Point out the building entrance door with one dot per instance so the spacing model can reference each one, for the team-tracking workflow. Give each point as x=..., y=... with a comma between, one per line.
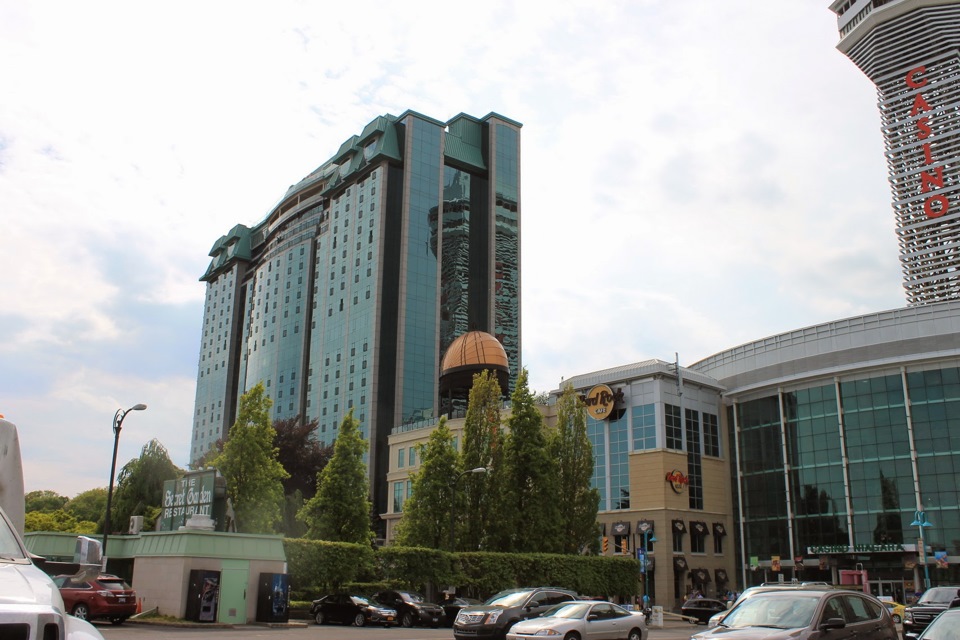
x=887, y=590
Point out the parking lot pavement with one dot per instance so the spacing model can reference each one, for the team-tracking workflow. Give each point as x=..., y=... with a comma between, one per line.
x=671, y=631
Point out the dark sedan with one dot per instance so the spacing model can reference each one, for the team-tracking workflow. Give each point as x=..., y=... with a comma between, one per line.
x=350, y=609
x=702, y=609
x=411, y=607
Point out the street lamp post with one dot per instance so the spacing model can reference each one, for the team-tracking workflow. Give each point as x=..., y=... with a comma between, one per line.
x=648, y=537
x=920, y=521
x=117, y=424
x=453, y=499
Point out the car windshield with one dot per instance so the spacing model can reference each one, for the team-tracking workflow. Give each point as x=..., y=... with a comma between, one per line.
x=570, y=610
x=411, y=596
x=508, y=598
x=946, y=626
x=10, y=548
x=788, y=611
x=938, y=595
x=360, y=600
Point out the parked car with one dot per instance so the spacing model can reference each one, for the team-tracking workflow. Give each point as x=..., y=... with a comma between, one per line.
x=105, y=596
x=764, y=588
x=351, y=609
x=452, y=606
x=945, y=626
x=916, y=617
x=493, y=618
x=702, y=609
x=588, y=619
x=802, y=614
x=412, y=608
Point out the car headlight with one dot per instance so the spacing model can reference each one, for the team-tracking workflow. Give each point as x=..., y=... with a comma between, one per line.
x=908, y=616
x=547, y=632
x=493, y=616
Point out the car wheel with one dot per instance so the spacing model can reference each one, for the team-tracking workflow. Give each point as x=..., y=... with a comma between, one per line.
x=407, y=619
x=117, y=620
x=897, y=619
x=635, y=634
x=359, y=620
x=572, y=635
x=81, y=611
x=320, y=618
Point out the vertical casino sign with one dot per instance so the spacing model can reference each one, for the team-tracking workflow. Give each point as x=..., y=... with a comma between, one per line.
x=935, y=204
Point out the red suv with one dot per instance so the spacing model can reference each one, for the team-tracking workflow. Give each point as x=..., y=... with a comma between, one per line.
x=107, y=596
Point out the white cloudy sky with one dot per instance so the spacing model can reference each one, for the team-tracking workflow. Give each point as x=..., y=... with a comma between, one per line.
x=696, y=174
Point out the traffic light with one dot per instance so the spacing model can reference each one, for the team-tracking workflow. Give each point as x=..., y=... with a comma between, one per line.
x=606, y=544
x=625, y=545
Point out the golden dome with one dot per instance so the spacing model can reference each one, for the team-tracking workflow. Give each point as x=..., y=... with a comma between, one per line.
x=475, y=349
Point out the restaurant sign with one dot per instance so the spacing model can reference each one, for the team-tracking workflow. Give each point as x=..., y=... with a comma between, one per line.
x=857, y=548
x=186, y=496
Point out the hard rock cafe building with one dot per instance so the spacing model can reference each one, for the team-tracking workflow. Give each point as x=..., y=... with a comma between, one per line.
x=662, y=467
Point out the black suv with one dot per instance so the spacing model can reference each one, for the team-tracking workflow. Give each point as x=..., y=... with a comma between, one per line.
x=929, y=606
x=492, y=619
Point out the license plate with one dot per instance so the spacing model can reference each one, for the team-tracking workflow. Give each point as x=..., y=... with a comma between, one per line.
x=122, y=599
x=389, y=618
x=435, y=619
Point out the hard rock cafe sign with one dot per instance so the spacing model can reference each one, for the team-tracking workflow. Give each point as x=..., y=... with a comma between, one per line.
x=601, y=400
x=678, y=481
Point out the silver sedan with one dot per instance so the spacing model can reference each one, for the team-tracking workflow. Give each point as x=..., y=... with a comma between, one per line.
x=582, y=620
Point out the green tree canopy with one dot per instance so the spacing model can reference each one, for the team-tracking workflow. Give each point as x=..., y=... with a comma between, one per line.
x=570, y=448
x=426, y=521
x=58, y=520
x=44, y=500
x=140, y=485
x=88, y=505
x=249, y=464
x=482, y=447
x=530, y=496
x=340, y=510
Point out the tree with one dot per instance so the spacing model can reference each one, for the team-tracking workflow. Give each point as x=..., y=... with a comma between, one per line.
x=570, y=448
x=340, y=510
x=140, y=484
x=44, y=501
x=303, y=458
x=530, y=497
x=249, y=464
x=426, y=521
x=482, y=447
x=58, y=520
x=88, y=505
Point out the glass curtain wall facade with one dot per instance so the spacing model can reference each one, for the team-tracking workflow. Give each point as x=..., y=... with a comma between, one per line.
x=909, y=50
x=813, y=503
x=346, y=296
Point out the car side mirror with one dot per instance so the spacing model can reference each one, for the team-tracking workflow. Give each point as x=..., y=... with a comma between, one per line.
x=833, y=623
x=593, y=616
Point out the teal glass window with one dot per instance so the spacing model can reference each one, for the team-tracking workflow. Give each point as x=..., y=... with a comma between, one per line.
x=644, y=427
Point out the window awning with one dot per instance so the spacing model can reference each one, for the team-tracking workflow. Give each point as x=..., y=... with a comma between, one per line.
x=621, y=528
x=679, y=526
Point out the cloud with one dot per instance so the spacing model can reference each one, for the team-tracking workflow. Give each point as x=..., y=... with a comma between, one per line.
x=695, y=175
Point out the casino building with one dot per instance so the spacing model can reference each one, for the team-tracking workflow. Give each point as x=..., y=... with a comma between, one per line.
x=910, y=49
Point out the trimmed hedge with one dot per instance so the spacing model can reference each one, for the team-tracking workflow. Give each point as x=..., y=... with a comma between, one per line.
x=317, y=566
x=328, y=565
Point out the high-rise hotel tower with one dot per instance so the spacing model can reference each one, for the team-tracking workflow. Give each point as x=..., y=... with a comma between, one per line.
x=911, y=50
x=348, y=293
